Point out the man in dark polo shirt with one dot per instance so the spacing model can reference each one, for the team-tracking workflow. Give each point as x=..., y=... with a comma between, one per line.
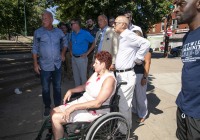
x=79, y=50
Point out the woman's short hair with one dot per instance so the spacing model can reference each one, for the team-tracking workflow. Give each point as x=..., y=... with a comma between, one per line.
x=106, y=57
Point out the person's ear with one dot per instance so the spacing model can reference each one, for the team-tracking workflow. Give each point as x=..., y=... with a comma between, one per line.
x=104, y=64
x=125, y=26
x=198, y=5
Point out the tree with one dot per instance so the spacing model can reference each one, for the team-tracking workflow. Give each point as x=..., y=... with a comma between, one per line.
x=145, y=12
x=12, y=16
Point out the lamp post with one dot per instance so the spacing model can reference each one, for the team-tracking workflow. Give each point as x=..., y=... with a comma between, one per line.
x=25, y=27
x=169, y=20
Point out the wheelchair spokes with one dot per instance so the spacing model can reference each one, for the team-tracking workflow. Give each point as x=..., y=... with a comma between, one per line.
x=108, y=128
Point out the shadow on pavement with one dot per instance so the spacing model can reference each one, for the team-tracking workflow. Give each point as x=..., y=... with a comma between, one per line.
x=153, y=102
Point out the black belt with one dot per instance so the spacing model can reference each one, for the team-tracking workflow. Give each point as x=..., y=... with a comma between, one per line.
x=76, y=56
x=124, y=70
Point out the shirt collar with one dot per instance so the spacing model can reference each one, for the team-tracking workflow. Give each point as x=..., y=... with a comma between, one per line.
x=104, y=29
x=48, y=30
x=81, y=30
x=124, y=33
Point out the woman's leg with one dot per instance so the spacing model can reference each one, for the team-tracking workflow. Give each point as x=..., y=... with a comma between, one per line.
x=57, y=123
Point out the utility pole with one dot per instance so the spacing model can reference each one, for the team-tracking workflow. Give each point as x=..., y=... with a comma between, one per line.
x=169, y=22
x=25, y=27
x=169, y=17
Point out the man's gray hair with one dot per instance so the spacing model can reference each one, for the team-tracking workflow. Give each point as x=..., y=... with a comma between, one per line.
x=47, y=12
x=105, y=17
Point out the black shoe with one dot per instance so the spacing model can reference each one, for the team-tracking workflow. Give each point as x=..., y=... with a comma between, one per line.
x=47, y=112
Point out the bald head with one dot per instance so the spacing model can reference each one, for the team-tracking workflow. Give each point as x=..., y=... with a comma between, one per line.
x=121, y=23
x=123, y=19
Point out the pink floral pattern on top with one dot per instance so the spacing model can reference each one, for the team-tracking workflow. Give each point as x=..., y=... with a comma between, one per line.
x=87, y=83
x=98, y=78
x=92, y=89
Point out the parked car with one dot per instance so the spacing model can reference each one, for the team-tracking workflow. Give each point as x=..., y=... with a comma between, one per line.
x=162, y=48
x=175, y=52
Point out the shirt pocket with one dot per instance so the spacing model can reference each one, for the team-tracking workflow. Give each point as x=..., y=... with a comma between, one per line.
x=44, y=38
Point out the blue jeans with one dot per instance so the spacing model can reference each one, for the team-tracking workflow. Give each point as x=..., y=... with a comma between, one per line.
x=46, y=78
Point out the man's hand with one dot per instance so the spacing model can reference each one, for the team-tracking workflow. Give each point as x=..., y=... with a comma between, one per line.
x=63, y=58
x=84, y=55
x=37, y=68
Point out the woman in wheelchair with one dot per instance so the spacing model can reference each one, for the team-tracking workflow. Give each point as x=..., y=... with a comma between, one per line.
x=98, y=91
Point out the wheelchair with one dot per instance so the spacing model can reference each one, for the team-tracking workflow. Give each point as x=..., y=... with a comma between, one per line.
x=106, y=127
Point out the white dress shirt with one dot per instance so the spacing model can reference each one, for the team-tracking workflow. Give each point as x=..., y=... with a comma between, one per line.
x=132, y=49
x=135, y=28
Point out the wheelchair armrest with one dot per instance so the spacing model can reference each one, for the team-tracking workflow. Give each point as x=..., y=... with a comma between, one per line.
x=75, y=96
x=102, y=107
x=121, y=83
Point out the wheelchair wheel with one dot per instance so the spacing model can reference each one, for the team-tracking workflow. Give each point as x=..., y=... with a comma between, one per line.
x=46, y=130
x=108, y=127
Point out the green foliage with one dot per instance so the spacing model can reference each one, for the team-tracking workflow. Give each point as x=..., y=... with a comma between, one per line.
x=145, y=12
x=12, y=16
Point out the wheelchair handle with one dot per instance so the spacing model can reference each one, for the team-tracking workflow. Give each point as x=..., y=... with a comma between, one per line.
x=121, y=83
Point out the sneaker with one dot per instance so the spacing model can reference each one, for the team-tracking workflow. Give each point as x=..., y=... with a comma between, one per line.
x=47, y=112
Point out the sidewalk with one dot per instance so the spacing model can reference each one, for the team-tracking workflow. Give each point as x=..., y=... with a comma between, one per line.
x=21, y=116
x=164, y=86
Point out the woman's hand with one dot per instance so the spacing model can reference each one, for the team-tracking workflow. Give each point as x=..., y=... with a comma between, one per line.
x=67, y=112
x=67, y=96
x=65, y=116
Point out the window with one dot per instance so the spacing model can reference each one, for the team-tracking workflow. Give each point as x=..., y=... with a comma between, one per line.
x=162, y=26
x=174, y=24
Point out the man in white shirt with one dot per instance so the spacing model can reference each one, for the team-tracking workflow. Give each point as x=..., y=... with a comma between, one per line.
x=131, y=51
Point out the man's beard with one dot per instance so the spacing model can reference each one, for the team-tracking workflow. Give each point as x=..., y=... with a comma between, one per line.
x=90, y=25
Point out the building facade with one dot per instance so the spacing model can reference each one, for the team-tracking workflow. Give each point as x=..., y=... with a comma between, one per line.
x=157, y=33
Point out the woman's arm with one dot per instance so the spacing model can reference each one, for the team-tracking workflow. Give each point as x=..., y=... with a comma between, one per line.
x=106, y=91
x=72, y=91
x=147, y=63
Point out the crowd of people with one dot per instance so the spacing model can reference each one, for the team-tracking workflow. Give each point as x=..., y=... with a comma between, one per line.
x=97, y=58
x=117, y=51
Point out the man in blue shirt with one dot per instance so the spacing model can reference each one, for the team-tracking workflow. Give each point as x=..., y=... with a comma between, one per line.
x=188, y=100
x=79, y=50
x=48, y=44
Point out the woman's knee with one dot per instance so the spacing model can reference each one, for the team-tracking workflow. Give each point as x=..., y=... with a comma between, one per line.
x=54, y=114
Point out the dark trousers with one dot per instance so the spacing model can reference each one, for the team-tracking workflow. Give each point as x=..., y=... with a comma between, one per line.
x=188, y=128
x=46, y=78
